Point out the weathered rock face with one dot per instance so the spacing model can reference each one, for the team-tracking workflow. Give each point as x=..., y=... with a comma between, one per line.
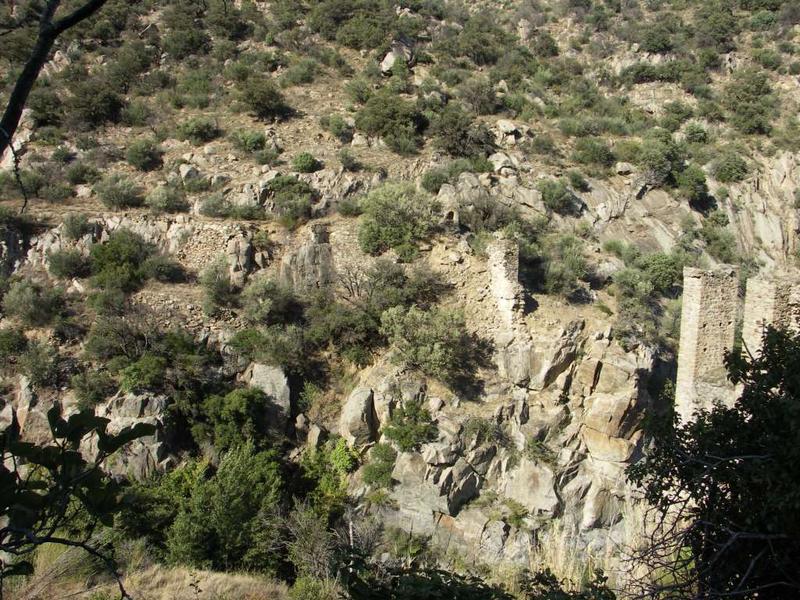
x=10, y=248
x=273, y=382
x=358, y=423
x=311, y=265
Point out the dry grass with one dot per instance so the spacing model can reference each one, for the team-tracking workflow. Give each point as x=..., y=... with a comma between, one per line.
x=160, y=583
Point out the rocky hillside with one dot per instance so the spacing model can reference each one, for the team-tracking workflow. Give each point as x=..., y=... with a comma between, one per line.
x=411, y=265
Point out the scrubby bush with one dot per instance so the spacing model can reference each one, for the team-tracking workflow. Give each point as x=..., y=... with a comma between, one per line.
x=67, y=264
x=395, y=216
x=226, y=522
x=267, y=302
x=92, y=387
x=80, y=173
x=455, y=132
x=410, y=426
x=349, y=162
x=306, y=163
x=564, y=264
x=40, y=363
x=146, y=373
x=394, y=120
x=593, y=151
x=730, y=167
x=378, y=471
x=292, y=198
x=34, y=304
x=166, y=199
x=75, y=226
x=557, y=196
x=262, y=98
x=691, y=183
x=218, y=290
x=750, y=100
x=12, y=343
x=434, y=341
x=337, y=125
x=116, y=191
x=302, y=72
x=163, y=269
x=199, y=130
x=117, y=263
x=144, y=155
x=249, y=141
x=93, y=103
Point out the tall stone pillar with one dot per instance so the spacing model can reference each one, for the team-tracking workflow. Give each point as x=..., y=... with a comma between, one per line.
x=503, y=262
x=770, y=300
x=708, y=324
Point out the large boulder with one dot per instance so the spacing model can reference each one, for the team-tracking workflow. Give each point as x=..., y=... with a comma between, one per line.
x=273, y=382
x=533, y=486
x=358, y=423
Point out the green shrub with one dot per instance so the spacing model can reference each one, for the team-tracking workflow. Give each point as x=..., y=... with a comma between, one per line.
x=67, y=264
x=394, y=120
x=349, y=162
x=306, y=163
x=75, y=226
x=262, y=98
x=378, y=471
x=478, y=94
x=557, y=196
x=34, y=304
x=593, y=151
x=80, y=172
x=249, y=141
x=144, y=155
x=410, y=426
x=117, y=263
x=147, y=373
x=225, y=522
x=337, y=125
x=730, y=167
x=395, y=216
x=93, y=103
x=163, y=269
x=217, y=287
x=564, y=264
x=116, y=191
x=292, y=199
x=198, y=130
x=434, y=179
x=455, y=132
x=695, y=133
x=12, y=343
x=40, y=363
x=435, y=341
x=302, y=72
x=166, y=199
x=92, y=387
x=691, y=183
x=750, y=100
x=310, y=588
x=266, y=302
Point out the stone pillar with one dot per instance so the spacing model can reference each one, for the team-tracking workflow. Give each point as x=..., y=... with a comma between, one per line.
x=771, y=300
x=503, y=261
x=708, y=323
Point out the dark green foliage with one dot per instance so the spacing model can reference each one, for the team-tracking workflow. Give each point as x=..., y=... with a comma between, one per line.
x=691, y=183
x=715, y=26
x=118, y=263
x=456, y=132
x=147, y=373
x=410, y=426
x=736, y=465
x=262, y=98
x=292, y=198
x=217, y=287
x=337, y=125
x=92, y=387
x=730, y=167
x=166, y=199
x=68, y=264
x=229, y=520
x=750, y=100
x=434, y=179
x=306, y=163
x=243, y=415
x=144, y=155
x=267, y=302
x=557, y=197
x=34, y=304
x=302, y=72
x=378, y=471
x=564, y=264
x=198, y=130
x=391, y=118
x=12, y=343
x=395, y=216
x=327, y=467
x=80, y=172
x=93, y=103
x=40, y=363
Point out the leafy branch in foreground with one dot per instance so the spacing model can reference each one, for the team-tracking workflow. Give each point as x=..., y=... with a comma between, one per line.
x=48, y=491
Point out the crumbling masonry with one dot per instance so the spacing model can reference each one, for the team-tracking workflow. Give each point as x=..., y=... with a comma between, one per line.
x=708, y=329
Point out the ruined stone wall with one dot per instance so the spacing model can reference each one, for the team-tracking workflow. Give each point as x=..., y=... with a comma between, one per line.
x=771, y=300
x=708, y=324
x=503, y=262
